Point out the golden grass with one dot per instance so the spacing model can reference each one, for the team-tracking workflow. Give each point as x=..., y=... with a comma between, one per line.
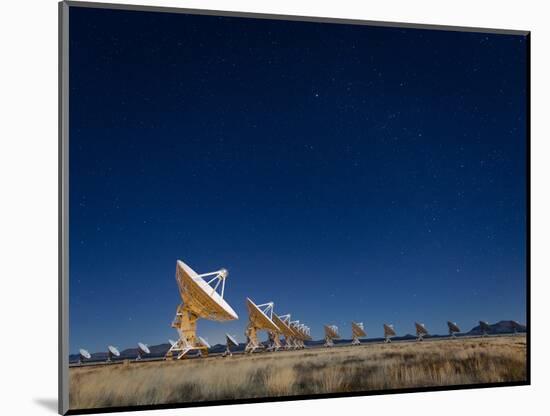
x=315, y=371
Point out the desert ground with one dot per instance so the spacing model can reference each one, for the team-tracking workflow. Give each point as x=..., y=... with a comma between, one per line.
x=311, y=371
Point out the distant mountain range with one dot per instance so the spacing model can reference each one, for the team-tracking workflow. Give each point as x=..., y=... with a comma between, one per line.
x=157, y=351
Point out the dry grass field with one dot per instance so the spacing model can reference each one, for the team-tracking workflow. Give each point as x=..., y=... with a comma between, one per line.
x=313, y=371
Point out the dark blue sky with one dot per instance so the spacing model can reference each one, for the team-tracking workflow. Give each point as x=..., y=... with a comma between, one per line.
x=344, y=172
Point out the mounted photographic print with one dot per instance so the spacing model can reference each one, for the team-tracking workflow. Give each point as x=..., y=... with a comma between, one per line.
x=262, y=208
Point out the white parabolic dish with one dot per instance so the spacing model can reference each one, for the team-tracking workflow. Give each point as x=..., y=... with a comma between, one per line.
x=113, y=351
x=389, y=330
x=286, y=330
x=358, y=329
x=204, y=342
x=85, y=354
x=143, y=348
x=453, y=326
x=201, y=298
x=332, y=331
x=420, y=328
x=259, y=318
x=232, y=341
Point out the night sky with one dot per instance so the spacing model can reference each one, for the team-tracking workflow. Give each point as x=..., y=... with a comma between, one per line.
x=344, y=172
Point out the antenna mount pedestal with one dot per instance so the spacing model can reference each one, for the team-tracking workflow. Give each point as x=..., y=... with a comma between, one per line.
x=251, y=334
x=185, y=323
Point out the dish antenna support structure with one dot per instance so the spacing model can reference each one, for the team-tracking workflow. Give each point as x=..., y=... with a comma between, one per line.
x=485, y=328
x=331, y=333
x=453, y=329
x=200, y=299
x=357, y=330
x=421, y=331
x=260, y=318
x=389, y=332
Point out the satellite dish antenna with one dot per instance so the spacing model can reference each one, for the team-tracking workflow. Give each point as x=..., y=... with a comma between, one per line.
x=453, y=329
x=303, y=335
x=83, y=355
x=200, y=299
x=421, y=331
x=142, y=350
x=204, y=343
x=283, y=322
x=485, y=328
x=230, y=342
x=112, y=352
x=331, y=333
x=357, y=330
x=307, y=335
x=389, y=332
x=172, y=342
x=259, y=318
x=294, y=325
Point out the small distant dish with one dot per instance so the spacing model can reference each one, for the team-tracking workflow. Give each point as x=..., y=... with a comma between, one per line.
x=331, y=333
x=142, y=349
x=83, y=355
x=357, y=330
x=453, y=329
x=389, y=332
x=203, y=342
x=230, y=341
x=112, y=353
x=421, y=331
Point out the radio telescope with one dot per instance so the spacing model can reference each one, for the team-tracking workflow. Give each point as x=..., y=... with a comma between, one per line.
x=389, y=332
x=112, y=352
x=229, y=342
x=304, y=335
x=453, y=329
x=295, y=326
x=485, y=328
x=259, y=318
x=307, y=335
x=200, y=299
x=283, y=322
x=83, y=355
x=142, y=349
x=420, y=331
x=331, y=333
x=172, y=342
x=357, y=330
x=299, y=337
